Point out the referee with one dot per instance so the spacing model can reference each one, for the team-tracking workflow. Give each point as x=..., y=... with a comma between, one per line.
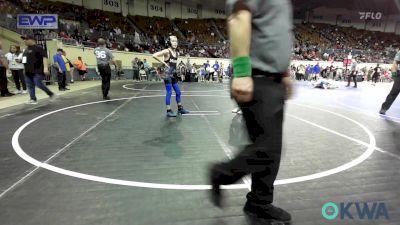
x=261, y=38
x=396, y=86
x=104, y=58
x=353, y=74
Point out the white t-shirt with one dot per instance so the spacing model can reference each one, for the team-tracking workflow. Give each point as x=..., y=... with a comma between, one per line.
x=13, y=65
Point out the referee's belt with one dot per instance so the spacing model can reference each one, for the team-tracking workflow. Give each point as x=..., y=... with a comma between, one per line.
x=261, y=73
x=105, y=64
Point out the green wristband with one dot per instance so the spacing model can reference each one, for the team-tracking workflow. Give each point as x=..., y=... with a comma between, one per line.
x=242, y=66
x=394, y=74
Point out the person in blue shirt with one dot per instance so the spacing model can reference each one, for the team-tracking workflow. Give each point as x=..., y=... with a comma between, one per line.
x=61, y=70
x=216, y=66
x=202, y=74
x=216, y=69
x=316, y=71
x=229, y=71
x=207, y=64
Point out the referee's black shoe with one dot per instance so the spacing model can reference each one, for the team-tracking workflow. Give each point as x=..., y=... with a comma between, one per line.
x=215, y=193
x=268, y=213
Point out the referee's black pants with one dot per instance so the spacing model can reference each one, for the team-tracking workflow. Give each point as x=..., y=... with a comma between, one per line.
x=105, y=73
x=261, y=158
x=375, y=78
x=353, y=77
x=393, y=94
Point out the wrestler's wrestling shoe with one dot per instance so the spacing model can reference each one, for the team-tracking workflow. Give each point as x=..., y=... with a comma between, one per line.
x=182, y=111
x=171, y=114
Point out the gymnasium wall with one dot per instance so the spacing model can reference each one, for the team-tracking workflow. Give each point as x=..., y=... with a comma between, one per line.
x=217, y=11
x=191, y=10
x=155, y=8
x=351, y=18
x=174, y=10
x=390, y=21
x=10, y=38
x=161, y=8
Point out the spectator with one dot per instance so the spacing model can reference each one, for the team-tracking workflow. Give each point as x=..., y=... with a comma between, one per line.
x=301, y=70
x=316, y=71
x=182, y=70
x=146, y=66
x=3, y=74
x=14, y=58
x=142, y=72
x=188, y=67
x=81, y=67
x=229, y=71
x=68, y=66
x=36, y=67
x=59, y=64
x=135, y=68
x=221, y=69
x=206, y=70
x=140, y=64
x=216, y=69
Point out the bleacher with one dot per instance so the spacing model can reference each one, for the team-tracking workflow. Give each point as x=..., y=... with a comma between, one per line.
x=197, y=36
x=222, y=27
x=200, y=29
x=153, y=25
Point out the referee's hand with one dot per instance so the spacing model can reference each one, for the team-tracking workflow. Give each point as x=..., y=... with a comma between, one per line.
x=242, y=89
x=288, y=83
